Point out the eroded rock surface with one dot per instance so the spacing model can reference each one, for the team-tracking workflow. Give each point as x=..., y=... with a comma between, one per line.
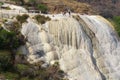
x=86, y=47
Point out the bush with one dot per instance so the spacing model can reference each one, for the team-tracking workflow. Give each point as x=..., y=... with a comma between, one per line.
x=21, y=67
x=31, y=72
x=4, y=20
x=5, y=60
x=116, y=22
x=11, y=40
x=1, y=3
x=15, y=27
x=23, y=18
x=11, y=76
x=41, y=19
x=8, y=40
x=43, y=8
x=8, y=8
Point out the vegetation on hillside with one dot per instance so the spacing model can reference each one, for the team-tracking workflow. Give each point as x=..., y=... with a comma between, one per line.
x=41, y=19
x=106, y=8
x=42, y=8
x=8, y=40
x=13, y=64
x=5, y=61
x=35, y=4
x=1, y=3
x=57, y=6
x=116, y=22
x=22, y=70
x=22, y=18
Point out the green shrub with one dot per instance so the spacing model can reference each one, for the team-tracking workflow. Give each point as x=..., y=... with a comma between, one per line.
x=43, y=8
x=4, y=20
x=56, y=64
x=1, y=3
x=8, y=8
x=22, y=18
x=41, y=19
x=5, y=60
x=22, y=67
x=15, y=27
x=8, y=40
x=60, y=71
x=116, y=22
x=11, y=76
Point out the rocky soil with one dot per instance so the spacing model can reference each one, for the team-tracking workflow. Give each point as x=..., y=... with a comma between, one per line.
x=107, y=8
x=61, y=5
x=58, y=6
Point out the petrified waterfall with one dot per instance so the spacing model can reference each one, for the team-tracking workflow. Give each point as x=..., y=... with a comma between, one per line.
x=86, y=47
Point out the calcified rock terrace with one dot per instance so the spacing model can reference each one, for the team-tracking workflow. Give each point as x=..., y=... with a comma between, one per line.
x=86, y=47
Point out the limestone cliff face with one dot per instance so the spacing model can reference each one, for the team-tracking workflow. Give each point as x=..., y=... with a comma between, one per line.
x=86, y=47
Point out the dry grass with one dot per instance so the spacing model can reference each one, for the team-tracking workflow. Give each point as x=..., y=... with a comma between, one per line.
x=72, y=4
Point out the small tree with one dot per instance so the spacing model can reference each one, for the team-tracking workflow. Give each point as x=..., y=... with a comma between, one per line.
x=5, y=61
x=8, y=40
x=43, y=8
x=22, y=18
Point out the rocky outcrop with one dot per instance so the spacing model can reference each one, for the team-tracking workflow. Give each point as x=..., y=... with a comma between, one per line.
x=86, y=47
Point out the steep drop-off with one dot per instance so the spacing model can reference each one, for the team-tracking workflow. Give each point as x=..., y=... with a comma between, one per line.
x=86, y=47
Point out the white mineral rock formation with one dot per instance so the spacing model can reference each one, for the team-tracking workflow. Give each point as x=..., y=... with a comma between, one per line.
x=14, y=7
x=86, y=47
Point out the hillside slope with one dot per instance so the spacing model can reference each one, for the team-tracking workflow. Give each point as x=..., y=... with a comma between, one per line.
x=57, y=6
x=107, y=8
x=61, y=5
